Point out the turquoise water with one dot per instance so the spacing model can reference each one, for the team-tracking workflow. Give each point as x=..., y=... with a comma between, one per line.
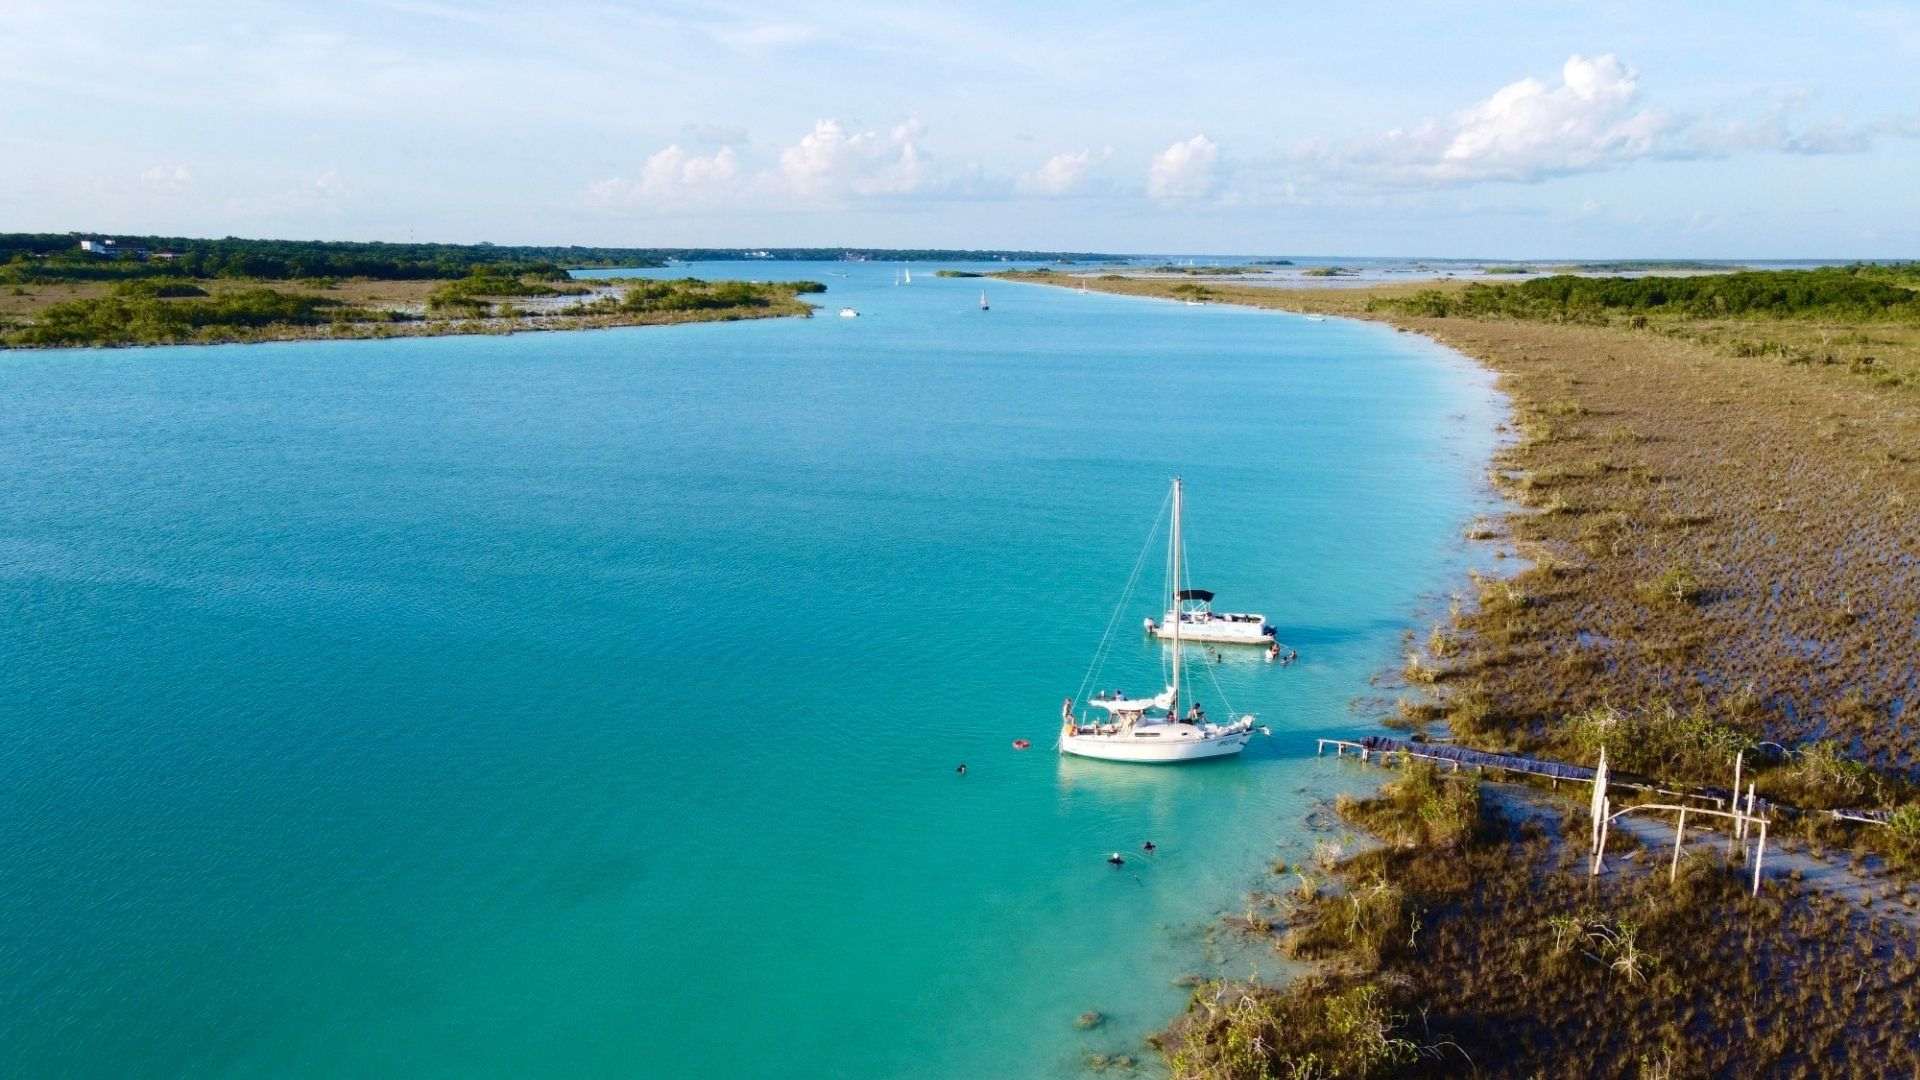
x=589, y=703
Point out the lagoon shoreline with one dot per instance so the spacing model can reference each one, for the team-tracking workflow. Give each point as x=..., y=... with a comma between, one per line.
x=1643, y=455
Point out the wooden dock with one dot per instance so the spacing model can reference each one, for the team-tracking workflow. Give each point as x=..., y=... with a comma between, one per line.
x=1459, y=757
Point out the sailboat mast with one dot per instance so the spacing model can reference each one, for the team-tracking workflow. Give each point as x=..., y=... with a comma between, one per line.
x=1173, y=590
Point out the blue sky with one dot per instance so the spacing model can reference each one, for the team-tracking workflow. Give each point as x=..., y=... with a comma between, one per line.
x=1583, y=130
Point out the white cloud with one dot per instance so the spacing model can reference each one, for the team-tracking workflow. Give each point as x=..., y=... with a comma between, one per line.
x=671, y=176
x=1529, y=130
x=329, y=185
x=1063, y=174
x=169, y=179
x=830, y=162
x=1183, y=170
x=1591, y=119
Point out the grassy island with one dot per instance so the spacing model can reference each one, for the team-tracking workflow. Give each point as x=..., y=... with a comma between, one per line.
x=489, y=300
x=1716, y=489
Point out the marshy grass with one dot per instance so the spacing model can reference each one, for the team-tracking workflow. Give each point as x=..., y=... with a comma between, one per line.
x=1312, y=1029
x=1500, y=957
x=1421, y=805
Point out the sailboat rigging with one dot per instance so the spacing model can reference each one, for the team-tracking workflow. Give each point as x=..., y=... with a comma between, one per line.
x=1151, y=729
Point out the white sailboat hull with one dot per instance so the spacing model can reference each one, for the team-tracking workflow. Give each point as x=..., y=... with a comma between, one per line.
x=1159, y=744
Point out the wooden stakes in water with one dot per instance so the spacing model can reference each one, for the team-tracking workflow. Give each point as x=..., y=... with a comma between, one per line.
x=1740, y=819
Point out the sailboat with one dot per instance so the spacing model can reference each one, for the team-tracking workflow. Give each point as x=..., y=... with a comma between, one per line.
x=983, y=300
x=1151, y=730
x=909, y=279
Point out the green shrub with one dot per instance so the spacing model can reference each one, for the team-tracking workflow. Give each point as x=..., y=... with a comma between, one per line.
x=1659, y=741
x=1307, y=1031
x=137, y=318
x=1677, y=586
x=1421, y=806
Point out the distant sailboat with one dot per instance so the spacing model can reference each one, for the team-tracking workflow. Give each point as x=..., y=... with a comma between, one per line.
x=909, y=280
x=983, y=300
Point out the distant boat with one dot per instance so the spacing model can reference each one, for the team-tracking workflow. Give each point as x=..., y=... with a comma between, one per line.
x=983, y=300
x=1316, y=318
x=849, y=313
x=909, y=280
x=1151, y=730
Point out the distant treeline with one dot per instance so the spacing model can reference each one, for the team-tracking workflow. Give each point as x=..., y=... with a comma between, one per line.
x=1861, y=291
x=27, y=258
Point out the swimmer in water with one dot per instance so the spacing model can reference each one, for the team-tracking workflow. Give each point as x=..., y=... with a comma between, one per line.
x=960, y=769
x=1116, y=860
x=1149, y=847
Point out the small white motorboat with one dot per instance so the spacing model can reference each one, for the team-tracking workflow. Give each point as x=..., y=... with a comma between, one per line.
x=849, y=313
x=1194, y=619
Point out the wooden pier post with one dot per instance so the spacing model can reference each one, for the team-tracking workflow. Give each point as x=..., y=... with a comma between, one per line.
x=1739, y=826
x=1600, y=836
x=1679, y=835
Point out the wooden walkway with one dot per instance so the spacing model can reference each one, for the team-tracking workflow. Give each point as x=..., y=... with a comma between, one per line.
x=1460, y=757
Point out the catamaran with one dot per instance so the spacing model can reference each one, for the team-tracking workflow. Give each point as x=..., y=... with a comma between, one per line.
x=1151, y=730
